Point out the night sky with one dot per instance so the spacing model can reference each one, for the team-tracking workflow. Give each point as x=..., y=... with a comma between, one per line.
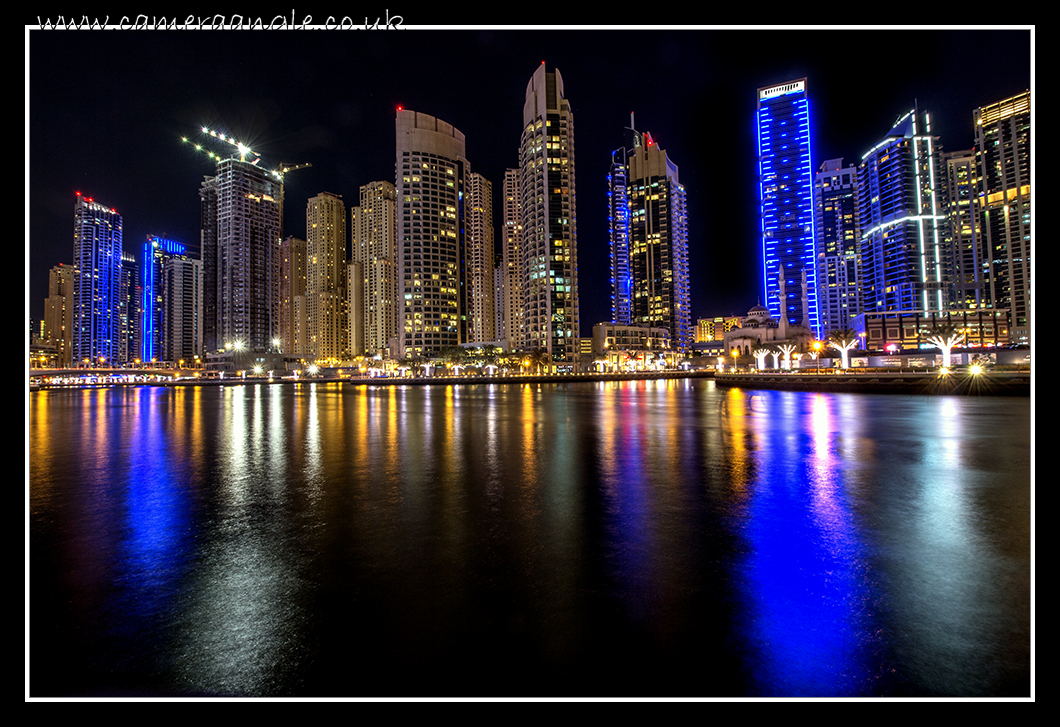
x=107, y=110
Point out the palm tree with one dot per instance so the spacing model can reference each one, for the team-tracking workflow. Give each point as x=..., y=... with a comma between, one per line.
x=536, y=357
x=945, y=335
x=843, y=339
x=760, y=356
x=787, y=349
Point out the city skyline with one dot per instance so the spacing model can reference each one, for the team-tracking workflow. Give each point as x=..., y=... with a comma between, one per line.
x=695, y=100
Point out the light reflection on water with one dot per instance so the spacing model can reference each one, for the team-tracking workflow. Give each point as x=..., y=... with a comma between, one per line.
x=640, y=538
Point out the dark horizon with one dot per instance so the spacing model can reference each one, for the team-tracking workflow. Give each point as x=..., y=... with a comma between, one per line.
x=106, y=114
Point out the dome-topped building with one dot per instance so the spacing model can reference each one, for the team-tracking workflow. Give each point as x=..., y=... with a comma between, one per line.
x=758, y=329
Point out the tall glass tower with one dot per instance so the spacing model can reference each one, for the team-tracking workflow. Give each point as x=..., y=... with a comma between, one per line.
x=785, y=187
x=550, y=238
x=97, y=283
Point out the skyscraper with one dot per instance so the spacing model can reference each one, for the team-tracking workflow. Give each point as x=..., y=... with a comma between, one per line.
x=156, y=251
x=478, y=261
x=835, y=216
x=904, y=263
x=431, y=172
x=550, y=237
x=241, y=234
x=326, y=276
x=785, y=175
x=512, y=261
x=374, y=271
x=657, y=247
x=130, y=307
x=961, y=173
x=97, y=283
x=618, y=226
x=59, y=311
x=1003, y=150
x=293, y=326
x=182, y=283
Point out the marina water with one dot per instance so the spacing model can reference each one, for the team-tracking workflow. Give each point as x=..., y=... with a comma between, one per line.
x=609, y=539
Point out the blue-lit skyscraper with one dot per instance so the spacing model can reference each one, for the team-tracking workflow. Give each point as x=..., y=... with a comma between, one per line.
x=156, y=252
x=618, y=226
x=903, y=247
x=785, y=185
x=97, y=284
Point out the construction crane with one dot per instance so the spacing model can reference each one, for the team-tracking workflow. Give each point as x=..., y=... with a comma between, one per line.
x=244, y=151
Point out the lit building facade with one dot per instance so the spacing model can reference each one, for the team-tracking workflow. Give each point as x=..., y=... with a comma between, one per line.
x=786, y=180
x=1003, y=150
x=621, y=347
x=893, y=331
x=97, y=326
x=550, y=238
x=374, y=271
x=242, y=213
x=326, y=277
x=431, y=171
x=904, y=257
x=835, y=217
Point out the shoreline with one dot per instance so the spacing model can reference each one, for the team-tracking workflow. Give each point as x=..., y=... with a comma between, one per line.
x=991, y=383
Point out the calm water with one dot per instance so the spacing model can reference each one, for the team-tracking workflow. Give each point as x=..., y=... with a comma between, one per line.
x=595, y=539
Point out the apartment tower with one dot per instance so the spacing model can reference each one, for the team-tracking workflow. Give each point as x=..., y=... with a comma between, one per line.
x=550, y=238
x=373, y=287
x=326, y=277
x=293, y=326
x=512, y=262
x=431, y=170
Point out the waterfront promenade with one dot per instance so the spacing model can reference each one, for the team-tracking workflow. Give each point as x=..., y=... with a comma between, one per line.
x=961, y=382
x=998, y=382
